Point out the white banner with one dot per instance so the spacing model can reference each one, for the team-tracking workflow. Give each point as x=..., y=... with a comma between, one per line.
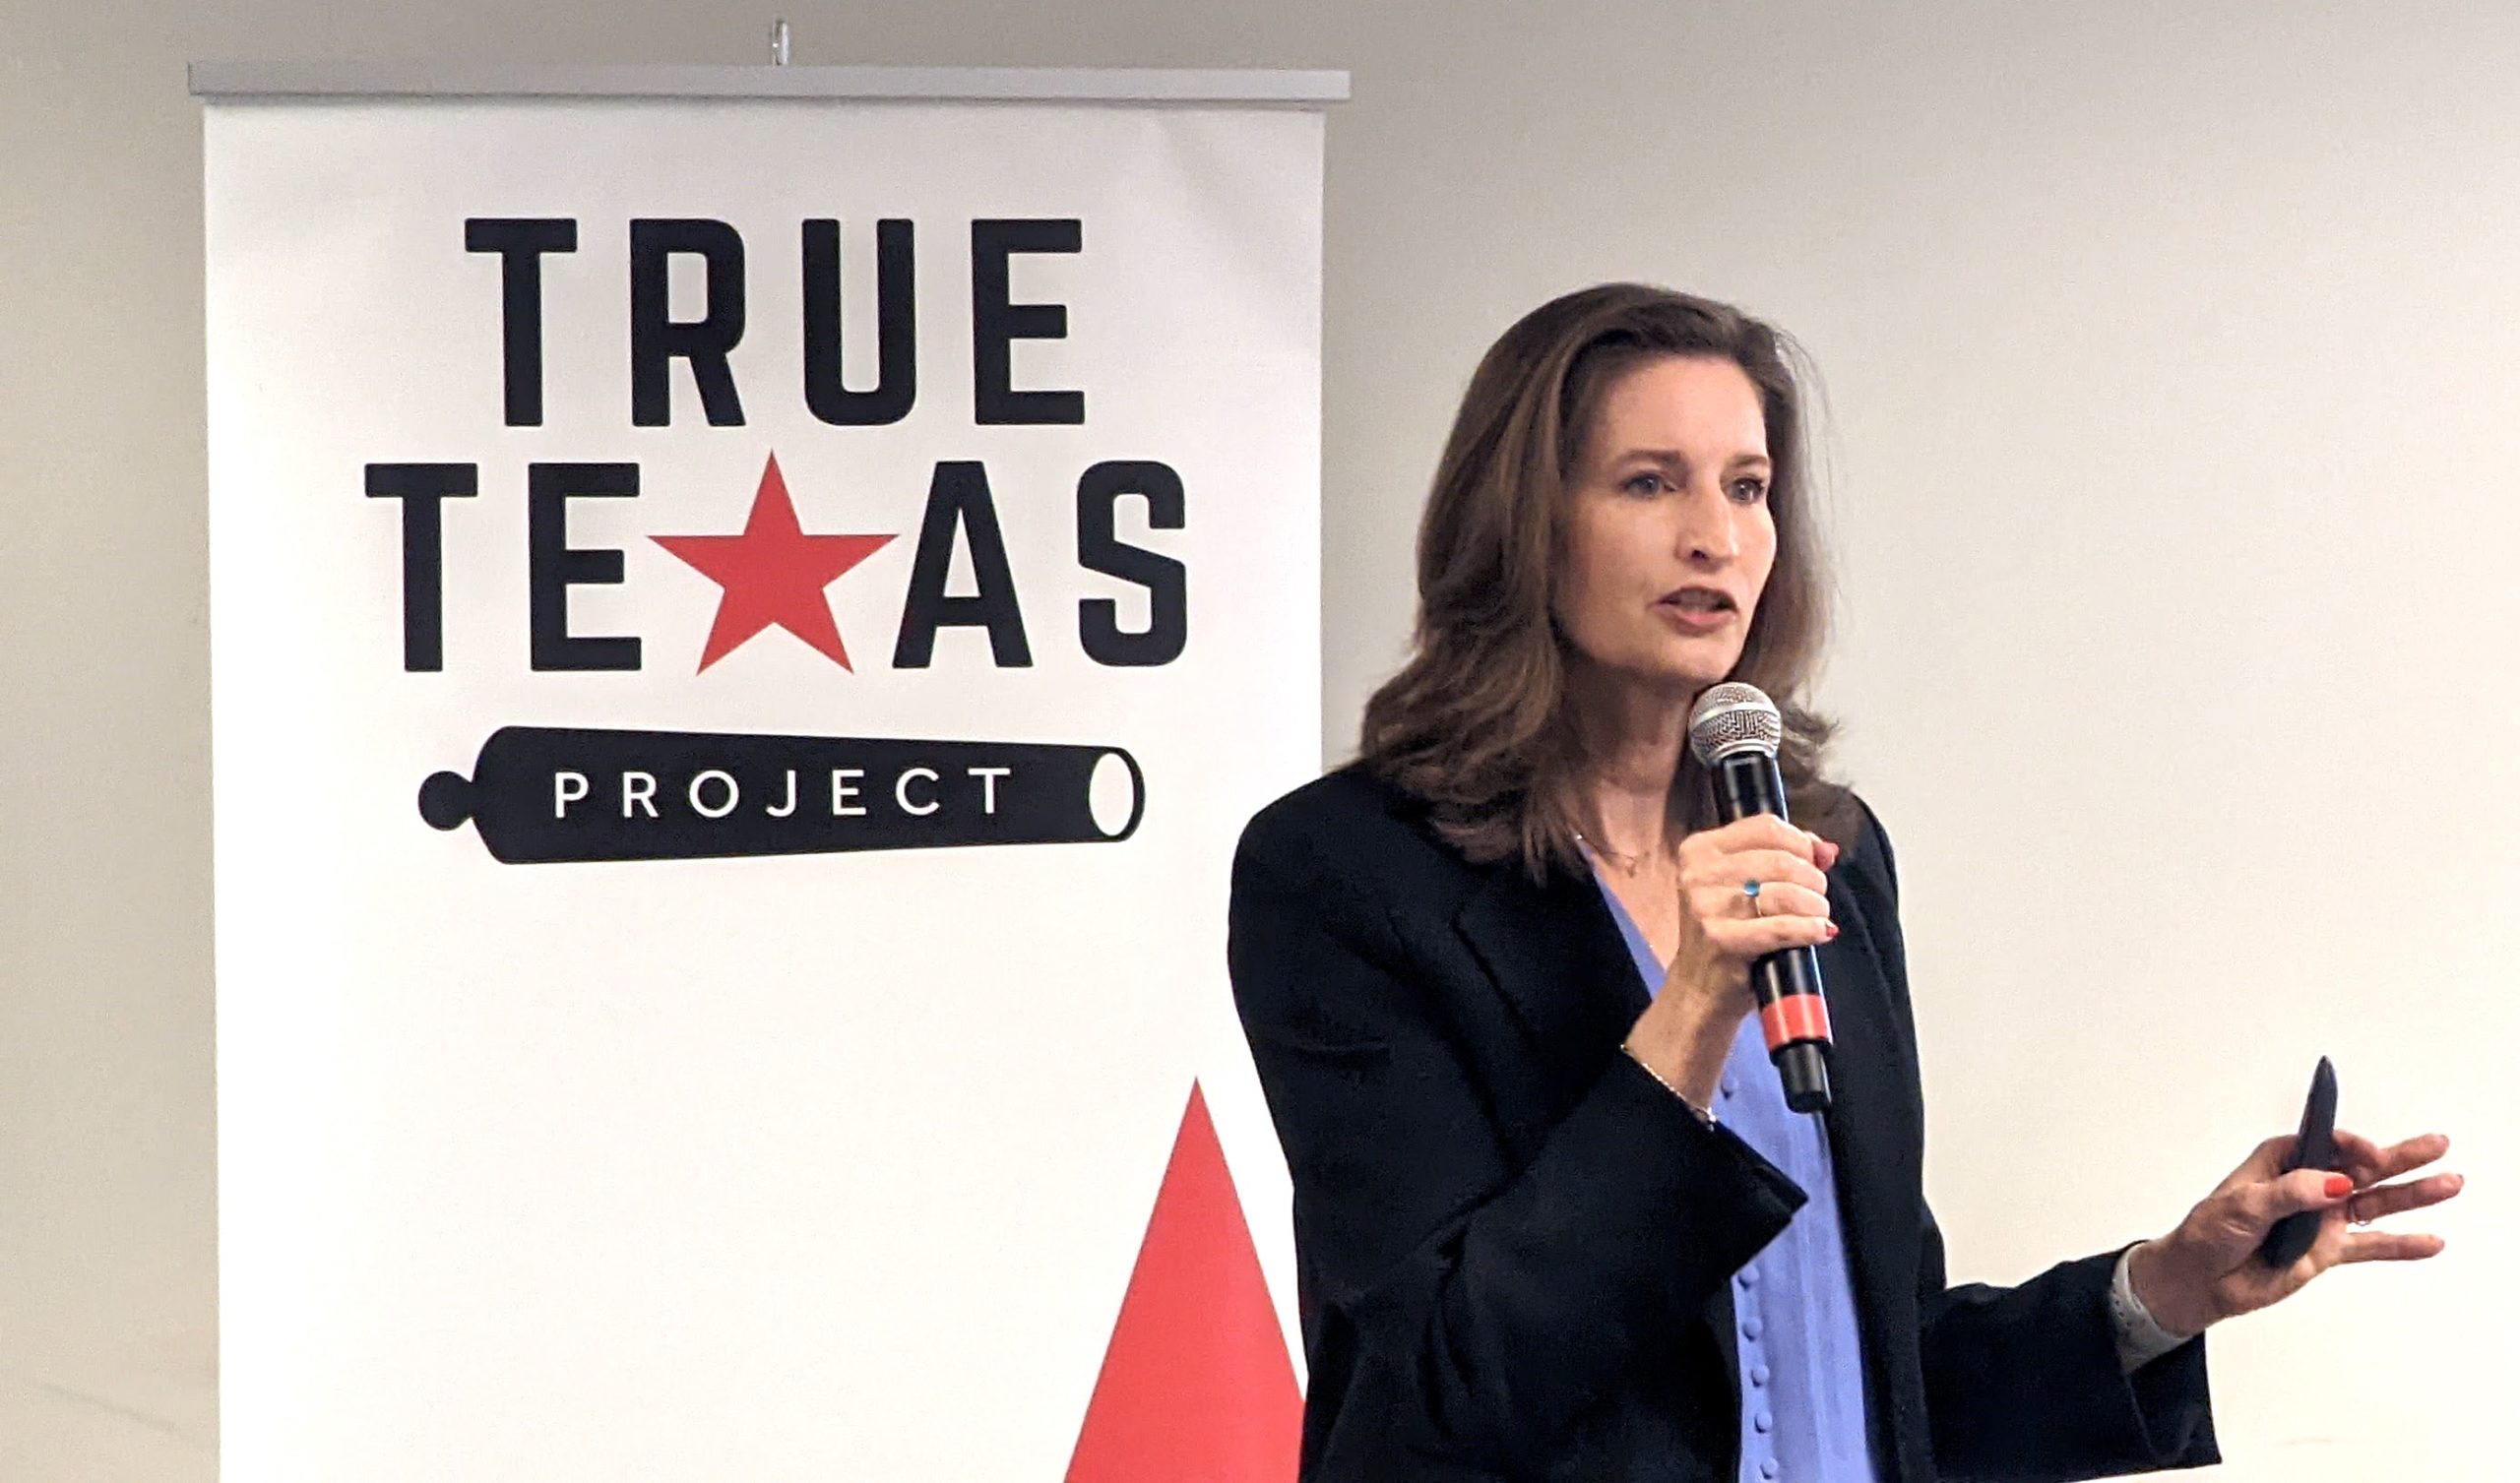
x=743, y=634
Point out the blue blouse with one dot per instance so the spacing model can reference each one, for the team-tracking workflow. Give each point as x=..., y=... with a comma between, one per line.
x=1802, y=1412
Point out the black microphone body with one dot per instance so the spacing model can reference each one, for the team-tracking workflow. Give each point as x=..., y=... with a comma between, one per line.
x=1793, y=1008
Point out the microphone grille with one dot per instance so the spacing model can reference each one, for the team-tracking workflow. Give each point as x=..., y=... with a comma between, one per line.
x=1733, y=717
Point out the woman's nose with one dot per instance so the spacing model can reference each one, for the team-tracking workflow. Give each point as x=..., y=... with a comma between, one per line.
x=1707, y=531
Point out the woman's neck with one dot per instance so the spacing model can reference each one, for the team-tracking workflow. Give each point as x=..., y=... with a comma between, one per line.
x=1629, y=737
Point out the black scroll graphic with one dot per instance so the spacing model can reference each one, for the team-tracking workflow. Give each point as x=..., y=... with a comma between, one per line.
x=543, y=795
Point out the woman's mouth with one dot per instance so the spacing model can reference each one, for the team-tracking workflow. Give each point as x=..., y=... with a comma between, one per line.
x=1698, y=610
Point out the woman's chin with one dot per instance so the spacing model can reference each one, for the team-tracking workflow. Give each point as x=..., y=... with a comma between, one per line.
x=1683, y=666
x=1696, y=663
x=1681, y=676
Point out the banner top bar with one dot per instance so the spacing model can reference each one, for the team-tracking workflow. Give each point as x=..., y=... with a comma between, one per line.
x=243, y=81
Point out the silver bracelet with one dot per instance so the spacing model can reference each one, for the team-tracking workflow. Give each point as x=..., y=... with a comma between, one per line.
x=1703, y=1116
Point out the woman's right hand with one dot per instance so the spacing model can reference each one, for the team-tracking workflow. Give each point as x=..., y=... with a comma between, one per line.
x=1685, y=1033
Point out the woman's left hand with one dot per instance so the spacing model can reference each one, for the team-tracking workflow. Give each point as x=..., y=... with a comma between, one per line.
x=2207, y=1269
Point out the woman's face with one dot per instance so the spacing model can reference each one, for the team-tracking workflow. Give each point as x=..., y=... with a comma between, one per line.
x=1669, y=537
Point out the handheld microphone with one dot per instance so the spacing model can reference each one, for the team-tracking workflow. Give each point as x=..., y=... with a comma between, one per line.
x=1735, y=731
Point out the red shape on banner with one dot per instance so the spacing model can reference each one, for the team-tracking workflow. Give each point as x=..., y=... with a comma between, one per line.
x=773, y=574
x=1197, y=1383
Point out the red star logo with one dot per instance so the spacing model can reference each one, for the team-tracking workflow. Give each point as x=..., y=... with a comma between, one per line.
x=773, y=574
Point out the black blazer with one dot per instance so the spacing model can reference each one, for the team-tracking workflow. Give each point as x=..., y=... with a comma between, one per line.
x=1513, y=1245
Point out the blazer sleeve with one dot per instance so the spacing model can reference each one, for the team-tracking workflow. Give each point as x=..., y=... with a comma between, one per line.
x=1459, y=1309
x=2022, y=1383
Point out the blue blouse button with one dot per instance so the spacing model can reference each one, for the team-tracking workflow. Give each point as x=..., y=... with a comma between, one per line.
x=1728, y=1087
x=1751, y=1329
x=1763, y=1421
x=1749, y=1276
x=1758, y=1374
x=1767, y=1467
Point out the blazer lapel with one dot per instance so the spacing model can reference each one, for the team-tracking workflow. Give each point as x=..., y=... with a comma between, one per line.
x=1871, y=1146
x=1864, y=1138
x=1555, y=955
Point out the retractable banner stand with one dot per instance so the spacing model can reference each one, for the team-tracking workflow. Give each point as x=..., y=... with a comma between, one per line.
x=744, y=630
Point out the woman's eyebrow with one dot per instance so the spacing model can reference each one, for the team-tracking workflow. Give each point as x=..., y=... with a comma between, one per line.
x=1677, y=459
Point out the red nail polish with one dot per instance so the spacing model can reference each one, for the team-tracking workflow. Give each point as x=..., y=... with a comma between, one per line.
x=2339, y=1185
x=1833, y=931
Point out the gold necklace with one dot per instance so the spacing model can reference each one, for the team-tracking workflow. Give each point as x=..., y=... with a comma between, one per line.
x=1626, y=863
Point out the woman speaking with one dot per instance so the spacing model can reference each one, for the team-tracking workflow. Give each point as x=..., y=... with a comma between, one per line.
x=1553, y=1218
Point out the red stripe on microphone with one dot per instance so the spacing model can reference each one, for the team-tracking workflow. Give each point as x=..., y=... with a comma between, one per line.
x=1795, y=1016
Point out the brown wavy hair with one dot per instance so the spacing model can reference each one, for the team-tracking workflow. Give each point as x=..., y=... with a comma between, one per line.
x=1476, y=723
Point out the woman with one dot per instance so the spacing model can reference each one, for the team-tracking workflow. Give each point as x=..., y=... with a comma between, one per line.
x=1553, y=1218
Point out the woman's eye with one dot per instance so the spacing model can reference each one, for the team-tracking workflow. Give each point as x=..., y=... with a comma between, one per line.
x=1749, y=491
x=1644, y=484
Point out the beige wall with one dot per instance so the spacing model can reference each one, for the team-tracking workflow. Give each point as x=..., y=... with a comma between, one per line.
x=2174, y=352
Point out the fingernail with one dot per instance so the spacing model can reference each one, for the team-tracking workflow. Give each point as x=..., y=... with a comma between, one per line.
x=2339, y=1185
x=1833, y=932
